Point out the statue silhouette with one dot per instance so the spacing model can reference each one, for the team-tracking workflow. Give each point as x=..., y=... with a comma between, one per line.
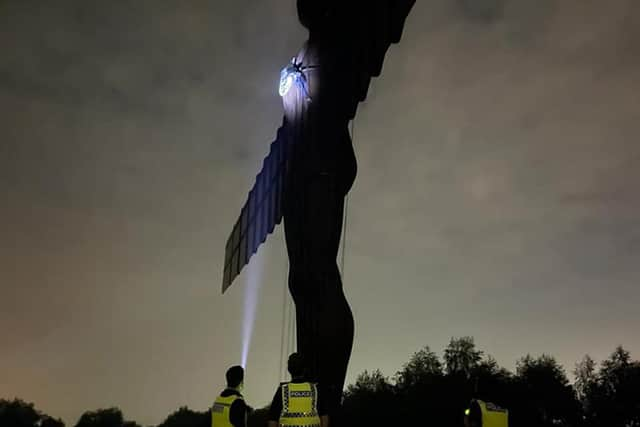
x=312, y=167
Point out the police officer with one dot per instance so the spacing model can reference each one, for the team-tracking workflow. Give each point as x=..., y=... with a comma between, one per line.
x=485, y=414
x=229, y=409
x=298, y=402
x=473, y=415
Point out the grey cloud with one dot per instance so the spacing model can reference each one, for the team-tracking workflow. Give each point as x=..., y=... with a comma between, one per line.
x=131, y=56
x=497, y=177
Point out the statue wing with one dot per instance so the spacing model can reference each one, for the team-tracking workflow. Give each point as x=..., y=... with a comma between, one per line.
x=261, y=212
x=375, y=25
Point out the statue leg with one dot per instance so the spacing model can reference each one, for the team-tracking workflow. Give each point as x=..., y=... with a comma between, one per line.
x=313, y=225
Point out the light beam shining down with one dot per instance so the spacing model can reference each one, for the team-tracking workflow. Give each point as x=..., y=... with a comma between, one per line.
x=252, y=291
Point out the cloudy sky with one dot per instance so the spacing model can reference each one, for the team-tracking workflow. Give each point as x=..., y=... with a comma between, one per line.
x=497, y=193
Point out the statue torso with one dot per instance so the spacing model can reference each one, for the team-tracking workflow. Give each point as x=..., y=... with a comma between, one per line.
x=319, y=115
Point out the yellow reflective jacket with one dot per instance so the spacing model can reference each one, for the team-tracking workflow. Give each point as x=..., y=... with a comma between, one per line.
x=299, y=405
x=491, y=415
x=221, y=411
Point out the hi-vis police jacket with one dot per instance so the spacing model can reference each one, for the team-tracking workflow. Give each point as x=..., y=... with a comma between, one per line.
x=299, y=405
x=487, y=414
x=221, y=411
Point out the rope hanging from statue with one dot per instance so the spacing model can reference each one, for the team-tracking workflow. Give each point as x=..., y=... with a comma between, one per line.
x=294, y=73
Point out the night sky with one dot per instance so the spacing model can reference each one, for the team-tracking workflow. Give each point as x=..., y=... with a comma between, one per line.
x=497, y=193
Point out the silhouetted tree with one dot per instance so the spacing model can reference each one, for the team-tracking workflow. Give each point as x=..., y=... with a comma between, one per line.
x=585, y=385
x=463, y=366
x=370, y=383
x=52, y=422
x=420, y=386
x=371, y=390
x=423, y=367
x=586, y=377
x=461, y=357
x=613, y=397
x=544, y=395
x=18, y=413
x=185, y=417
x=492, y=383
x=110, y=417
x=426, y=392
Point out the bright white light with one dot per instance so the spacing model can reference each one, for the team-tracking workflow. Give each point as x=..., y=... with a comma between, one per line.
x=286, y=81
x=251, y=296
x=294, y=74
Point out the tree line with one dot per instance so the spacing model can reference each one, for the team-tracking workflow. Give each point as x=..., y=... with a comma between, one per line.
x=434, y=391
